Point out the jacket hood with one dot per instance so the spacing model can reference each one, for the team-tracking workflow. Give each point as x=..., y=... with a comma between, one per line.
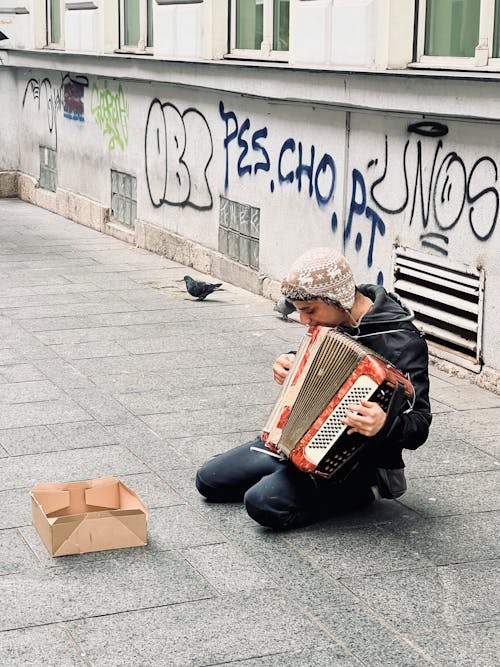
x=387, y=310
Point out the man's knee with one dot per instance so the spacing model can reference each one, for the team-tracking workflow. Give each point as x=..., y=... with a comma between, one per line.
x=267, y=510
x=214, y=486
x=201, y=484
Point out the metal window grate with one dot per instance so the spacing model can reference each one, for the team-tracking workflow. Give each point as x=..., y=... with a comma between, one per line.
x=239, y=229
x=123, y=198
x=48, y=168
x=447, y=299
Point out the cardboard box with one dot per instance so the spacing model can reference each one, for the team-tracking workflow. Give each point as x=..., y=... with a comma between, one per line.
x=93, y=515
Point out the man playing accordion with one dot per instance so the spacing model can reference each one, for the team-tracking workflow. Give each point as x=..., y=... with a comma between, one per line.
x=278, y=494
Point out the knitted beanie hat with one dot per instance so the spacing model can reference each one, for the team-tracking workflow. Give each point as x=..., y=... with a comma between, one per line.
x=321, y=273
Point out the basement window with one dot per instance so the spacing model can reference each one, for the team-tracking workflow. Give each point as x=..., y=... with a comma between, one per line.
x=123, y=198
x=447, y=299
x=239, y=228
x=48, y=168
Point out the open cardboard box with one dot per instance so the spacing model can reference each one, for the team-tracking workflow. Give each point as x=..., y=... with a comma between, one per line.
x=93, y=515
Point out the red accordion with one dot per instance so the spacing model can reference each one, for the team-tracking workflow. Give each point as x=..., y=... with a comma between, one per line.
x=331, y=371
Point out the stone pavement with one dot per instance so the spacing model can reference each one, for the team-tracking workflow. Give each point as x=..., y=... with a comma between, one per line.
x=107, y=368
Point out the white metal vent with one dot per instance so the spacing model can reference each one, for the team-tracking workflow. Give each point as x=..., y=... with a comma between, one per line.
x=447, y=299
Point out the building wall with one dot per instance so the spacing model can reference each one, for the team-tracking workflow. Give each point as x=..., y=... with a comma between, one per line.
x=358, y=180
x=9, y=147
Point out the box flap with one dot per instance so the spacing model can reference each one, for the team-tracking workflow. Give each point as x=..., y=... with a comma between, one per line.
x=51, y=500
x=103, y=533
x=105, y=494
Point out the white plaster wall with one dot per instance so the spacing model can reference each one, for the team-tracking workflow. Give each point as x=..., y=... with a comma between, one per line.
x=82, y=30
x=353, y=32
x=336, y=32
x=178, y=31
x=361, y=179
x=9, y=147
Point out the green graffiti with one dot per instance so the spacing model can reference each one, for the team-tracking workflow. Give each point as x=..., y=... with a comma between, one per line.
x=111, y=114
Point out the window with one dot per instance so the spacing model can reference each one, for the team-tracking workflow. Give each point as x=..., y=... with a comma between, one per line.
x=459, y=33
x=48, y=168
x=54, y=14
x=123, y=198
x=239, y=229
x=260, y=28
x=136, y=25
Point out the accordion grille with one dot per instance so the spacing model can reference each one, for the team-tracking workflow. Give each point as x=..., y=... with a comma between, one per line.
x=336, y=359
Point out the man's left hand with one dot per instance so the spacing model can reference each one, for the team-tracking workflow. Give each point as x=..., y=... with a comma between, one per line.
x=366, y=418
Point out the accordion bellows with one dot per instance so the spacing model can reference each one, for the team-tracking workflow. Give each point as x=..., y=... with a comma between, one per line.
x=330, y=372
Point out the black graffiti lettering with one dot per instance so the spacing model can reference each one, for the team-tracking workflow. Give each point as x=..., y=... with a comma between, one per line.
x=266, y=164
x=326, y=163
x=428, y=128
x=419, y=179
x=357, y=206
x=288, y=145
x=378, y=225
x=155, y=149
x=177, y=174
x=449, y=191
x=197, y=156
x=378, y=181
x=178, y=149
x=228, y=116
x=243, y=144
x=483, y=222
x=307, y=169
x=54, y=96
x=426, y=241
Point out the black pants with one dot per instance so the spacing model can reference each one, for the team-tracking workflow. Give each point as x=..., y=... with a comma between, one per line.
x=276, y=494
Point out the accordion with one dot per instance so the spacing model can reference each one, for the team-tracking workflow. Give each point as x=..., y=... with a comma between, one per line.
x=330, y=372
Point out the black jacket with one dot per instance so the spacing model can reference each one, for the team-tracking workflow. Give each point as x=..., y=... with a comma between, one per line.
x=388, y=331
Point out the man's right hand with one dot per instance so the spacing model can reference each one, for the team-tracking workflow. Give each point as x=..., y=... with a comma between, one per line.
x=281, y=367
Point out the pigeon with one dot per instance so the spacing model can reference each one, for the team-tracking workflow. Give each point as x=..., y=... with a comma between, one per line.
x=199, y=289
x=285, y=307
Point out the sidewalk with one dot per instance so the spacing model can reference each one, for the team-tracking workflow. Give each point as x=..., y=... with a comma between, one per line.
x=108, y=368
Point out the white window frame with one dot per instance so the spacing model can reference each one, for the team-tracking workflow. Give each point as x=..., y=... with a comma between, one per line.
x=48, y=14
x=141, y=47
x=266, y=51
x=483, y=57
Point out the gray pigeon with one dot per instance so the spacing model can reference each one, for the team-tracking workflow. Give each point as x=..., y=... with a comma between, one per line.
x=285, y=307
x=199, y=289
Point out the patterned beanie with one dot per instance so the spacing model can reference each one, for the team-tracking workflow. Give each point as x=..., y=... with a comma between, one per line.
x=321, y=273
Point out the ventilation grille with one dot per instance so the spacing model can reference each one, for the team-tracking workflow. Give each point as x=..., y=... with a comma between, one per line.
x=448, y=303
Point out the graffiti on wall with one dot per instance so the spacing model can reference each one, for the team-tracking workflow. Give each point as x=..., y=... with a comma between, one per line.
x=429, y=186
x=178, y=148
x=422, y=184
x=296, y=166
x=73, y=100
x=110, y=111
x=51, y=98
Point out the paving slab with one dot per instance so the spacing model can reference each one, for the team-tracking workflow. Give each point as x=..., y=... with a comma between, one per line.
x=371, y=638
x=203, y=633
x=448, y=457
x=454, y=494
x=454, y=595
x=97, y=588
x=68, y=465
x=45, y=645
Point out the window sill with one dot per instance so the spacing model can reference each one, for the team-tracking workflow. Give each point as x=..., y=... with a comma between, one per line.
x=133, y=52
x=254, y=56
x=459, y=66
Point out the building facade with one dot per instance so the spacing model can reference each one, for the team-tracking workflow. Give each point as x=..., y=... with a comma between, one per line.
x=232, y=135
